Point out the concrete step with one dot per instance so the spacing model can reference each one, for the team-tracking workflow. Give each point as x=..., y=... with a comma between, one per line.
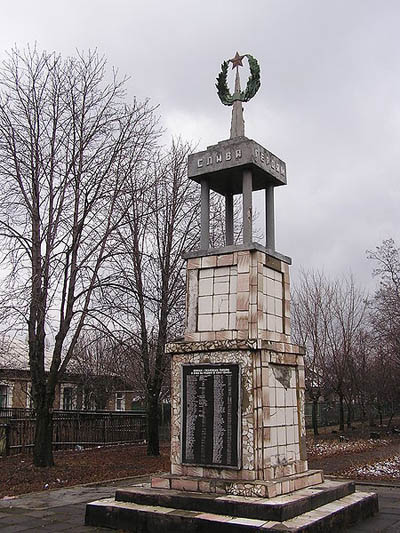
x=280, y=508
x=139, y=518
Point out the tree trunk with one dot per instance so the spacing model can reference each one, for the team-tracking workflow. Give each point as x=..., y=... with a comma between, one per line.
x=153, y=447
x=314, y=415
x=349, y=415
x=43, y=450
x=341, y=412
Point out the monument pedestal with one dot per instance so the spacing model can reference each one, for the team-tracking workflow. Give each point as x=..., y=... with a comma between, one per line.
x=238, y=437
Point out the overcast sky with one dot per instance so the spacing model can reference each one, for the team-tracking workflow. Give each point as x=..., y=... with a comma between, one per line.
x=328, y=104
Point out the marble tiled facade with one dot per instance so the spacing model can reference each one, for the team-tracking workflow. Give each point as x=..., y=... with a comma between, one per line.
x=238, y=312
x=272, y=421
x=239, y=295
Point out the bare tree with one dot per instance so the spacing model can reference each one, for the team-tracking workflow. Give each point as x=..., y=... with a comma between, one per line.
x=328, y=318
x=67, y=143
x=385, y=310
x=97, y=364
x=147, y=295
x=311, y=296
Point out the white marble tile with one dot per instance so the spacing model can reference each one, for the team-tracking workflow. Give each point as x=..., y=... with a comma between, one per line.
x=277, y=290
x=220, y=321
x=220, y=303
x=206, y=273
x=206, y=287
x=221, y=271
x=205, y=305
x=271, y=322
x=220, y=288
x=205, y=323
x=280, y=396
x=281, y=435
x=232, y=303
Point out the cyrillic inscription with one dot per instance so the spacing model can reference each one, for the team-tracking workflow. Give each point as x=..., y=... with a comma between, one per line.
x=210, y=415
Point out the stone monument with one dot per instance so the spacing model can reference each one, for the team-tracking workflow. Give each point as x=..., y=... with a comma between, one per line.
x=238, y=436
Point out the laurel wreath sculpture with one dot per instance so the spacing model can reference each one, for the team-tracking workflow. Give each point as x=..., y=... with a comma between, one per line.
x=253, y=83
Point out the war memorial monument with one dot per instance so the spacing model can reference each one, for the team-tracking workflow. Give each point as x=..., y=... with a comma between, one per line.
x=238, y=436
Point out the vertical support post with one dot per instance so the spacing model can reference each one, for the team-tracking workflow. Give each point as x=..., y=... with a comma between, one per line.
x=228, y=218
x=205, y=215
x=269, y=218
x=247, y=189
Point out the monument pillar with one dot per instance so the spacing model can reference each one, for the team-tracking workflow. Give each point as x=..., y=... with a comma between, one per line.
x=269, y=218
x=229, y=218
x=205, y=215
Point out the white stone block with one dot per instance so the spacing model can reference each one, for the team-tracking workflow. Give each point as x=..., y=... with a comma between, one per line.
x=220, y=288
x=278, y=324
x=270, y=287
x=278, y=289
x=271, y=322
x=232, y=303
x=205, y=323
x=278, y=276
x=270, y=305
x=232, y=320
x=263, y=323
x=270, y=273
x=278, y=307
x=280, y=397
x=206, y=273
x=220, y=321
x=289, y=415
x=272, y=421
x=280, y=416
x=221, y=271
x=205, y=305
x=290, y=434
x=273, y=454
x=281, y=436
x=233, y=284
x=206, y=287
x=220, y=303
x=274, y=436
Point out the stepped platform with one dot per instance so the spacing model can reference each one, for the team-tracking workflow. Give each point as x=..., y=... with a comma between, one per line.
x=329, y=506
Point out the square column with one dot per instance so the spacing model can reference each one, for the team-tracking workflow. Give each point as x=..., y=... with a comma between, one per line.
x=269, y=218
x=247, y=207
x=205, y=215
x=228, y=219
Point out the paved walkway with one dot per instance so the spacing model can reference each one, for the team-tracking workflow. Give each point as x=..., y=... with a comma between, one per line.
x=64, y=509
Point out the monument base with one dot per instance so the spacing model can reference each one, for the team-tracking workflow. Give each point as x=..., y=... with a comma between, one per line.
x=330, y=506
x=253, y=489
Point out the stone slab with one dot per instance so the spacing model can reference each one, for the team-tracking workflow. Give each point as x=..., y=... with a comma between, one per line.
x=223, y=164
x=334, y=516
x=279, y=508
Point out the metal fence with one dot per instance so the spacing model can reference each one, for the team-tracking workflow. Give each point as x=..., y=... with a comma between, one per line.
x=71, y=429
x=328, y=413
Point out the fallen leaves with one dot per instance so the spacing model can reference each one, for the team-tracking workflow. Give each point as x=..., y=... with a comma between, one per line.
x=19, y=476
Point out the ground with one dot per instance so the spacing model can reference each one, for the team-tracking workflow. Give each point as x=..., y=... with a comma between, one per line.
x=19, y=476
x=351, y=454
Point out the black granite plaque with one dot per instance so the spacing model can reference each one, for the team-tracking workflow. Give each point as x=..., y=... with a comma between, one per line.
x=210, y=415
